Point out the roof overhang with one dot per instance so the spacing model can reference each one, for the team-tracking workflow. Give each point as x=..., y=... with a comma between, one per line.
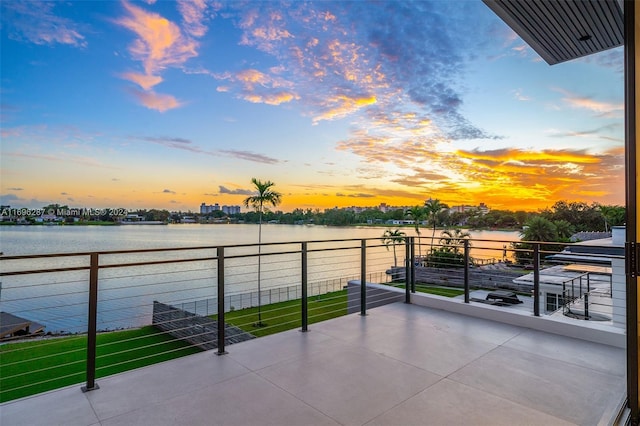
x=562, y=30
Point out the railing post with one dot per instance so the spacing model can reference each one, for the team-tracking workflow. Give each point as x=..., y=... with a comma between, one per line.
x=536, y=279
x=363, y=277
x=466, y=271
x=586, y=306
x=305, y=312
x=407, y=271
x=221, y=333
x=92, y=325
x=413, y=264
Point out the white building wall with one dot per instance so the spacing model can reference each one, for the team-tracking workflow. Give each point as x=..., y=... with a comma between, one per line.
x=619, y=293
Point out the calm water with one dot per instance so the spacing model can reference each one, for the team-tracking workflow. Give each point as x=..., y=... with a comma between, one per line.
x=59, y=300
x=15, y=240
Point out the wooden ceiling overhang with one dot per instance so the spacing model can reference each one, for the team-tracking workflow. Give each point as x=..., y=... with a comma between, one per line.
x=562, y=30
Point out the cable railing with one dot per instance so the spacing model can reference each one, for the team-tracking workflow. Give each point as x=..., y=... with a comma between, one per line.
x=107, y=312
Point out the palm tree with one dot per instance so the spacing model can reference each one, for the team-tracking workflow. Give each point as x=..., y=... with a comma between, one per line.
x=454, y=238
x=432, y=208
x=539, y=229
x=564, y=229
x=265, y=196
x=393, y=238
x=417, y=213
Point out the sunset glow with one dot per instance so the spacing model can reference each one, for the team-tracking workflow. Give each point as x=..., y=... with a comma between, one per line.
x=169, y=104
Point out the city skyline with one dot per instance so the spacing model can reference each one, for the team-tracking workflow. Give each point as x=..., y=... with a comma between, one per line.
x=171, y=104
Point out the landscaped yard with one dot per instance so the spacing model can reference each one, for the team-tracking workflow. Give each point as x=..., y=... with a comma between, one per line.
x=27, y=368
x=283, y=316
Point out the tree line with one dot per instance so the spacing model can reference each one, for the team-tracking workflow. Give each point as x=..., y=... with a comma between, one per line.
x=565, y=217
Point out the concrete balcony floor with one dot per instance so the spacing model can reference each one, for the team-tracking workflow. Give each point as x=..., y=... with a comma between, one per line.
x=399, y=365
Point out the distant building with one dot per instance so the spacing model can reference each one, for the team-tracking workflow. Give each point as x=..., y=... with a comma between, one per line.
x=383, y=207
x=464, y=208
x=206, y=209
x=231, y=209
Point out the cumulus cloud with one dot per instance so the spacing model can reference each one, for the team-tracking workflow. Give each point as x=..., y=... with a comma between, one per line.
x=168, y=191
x=356, y=60
x=37, y=22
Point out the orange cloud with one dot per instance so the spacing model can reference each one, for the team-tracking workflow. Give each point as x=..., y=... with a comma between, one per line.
x=342, y=105
x=193, y=15
x=259, y=87
x=518, y=155
x=160, y=44
x=582, y=102
x=157, y=101
x=143, y=80
x=271, y=99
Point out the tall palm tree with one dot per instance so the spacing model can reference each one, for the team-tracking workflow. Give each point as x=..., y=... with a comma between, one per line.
x=432, y=208
x=393, y=238
x=266, y=195
x=417, y=213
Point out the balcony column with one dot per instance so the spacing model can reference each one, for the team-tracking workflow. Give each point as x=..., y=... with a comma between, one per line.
x=632, y=81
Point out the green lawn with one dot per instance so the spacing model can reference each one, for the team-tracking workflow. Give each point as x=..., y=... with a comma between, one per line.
x=283, y=316
x=440, y=291
x=28, y=368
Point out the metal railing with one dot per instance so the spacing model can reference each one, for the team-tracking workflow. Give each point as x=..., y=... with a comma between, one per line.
x=205, y=297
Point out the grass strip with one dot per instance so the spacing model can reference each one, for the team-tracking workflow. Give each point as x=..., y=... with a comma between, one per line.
x=282, y=316
x=440, y=291
x=28, y=368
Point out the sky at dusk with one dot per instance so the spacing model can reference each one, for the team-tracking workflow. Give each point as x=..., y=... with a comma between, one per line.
x=169, y=104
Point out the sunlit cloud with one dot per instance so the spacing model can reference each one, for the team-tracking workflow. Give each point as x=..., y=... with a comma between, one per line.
x=194, y=16
x=603, y=109
x=273, y=99
x=346, y=60
x=159, y=44
x=143, y=80
x=342, y=105
x=157, y=101
x=258, y=87
x=36, y=22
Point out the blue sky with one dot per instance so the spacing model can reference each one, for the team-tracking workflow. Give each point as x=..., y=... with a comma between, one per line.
x=169, y=104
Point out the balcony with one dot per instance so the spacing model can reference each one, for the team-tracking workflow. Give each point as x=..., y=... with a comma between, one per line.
x=436, y=360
